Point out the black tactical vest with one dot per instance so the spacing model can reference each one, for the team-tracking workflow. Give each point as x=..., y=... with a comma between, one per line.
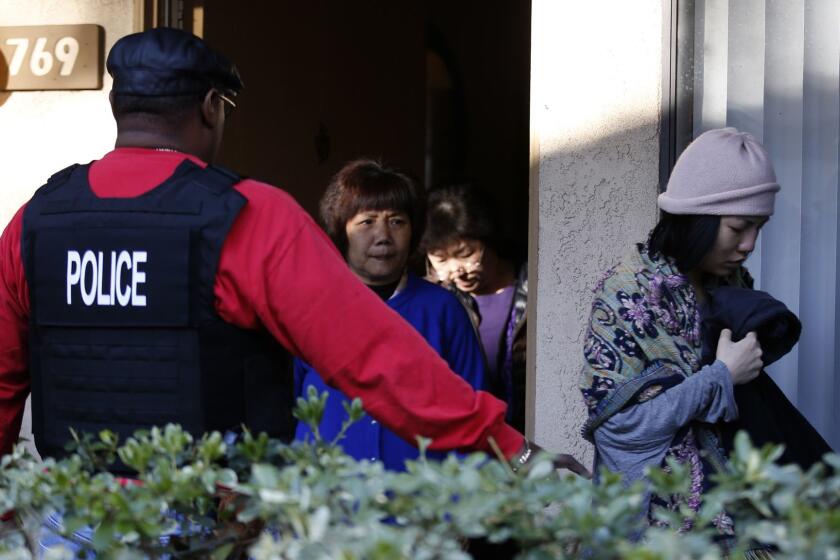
x=123, y=330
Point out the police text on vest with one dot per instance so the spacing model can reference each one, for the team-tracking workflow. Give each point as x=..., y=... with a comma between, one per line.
x=88, y=272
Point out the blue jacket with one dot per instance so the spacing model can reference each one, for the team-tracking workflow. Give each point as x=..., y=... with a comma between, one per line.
x=443, y=322
x=765, y=413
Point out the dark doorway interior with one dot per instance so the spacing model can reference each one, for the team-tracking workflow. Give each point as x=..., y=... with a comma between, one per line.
x=439, y=88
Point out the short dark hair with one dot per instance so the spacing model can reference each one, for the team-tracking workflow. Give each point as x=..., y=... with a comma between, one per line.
x=172, y=108
x=460, y=212
x=366, y=184
x=686, y=238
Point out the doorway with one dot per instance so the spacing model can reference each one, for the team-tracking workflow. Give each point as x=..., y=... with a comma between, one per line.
x=438, y=88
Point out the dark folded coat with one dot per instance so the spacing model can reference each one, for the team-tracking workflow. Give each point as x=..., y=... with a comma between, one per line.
x=765, y=413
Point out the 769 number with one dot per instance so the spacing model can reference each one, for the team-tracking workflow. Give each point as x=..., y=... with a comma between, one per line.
x=41, y=60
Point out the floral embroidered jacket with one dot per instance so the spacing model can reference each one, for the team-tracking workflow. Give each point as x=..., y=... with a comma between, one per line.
x=643, y=339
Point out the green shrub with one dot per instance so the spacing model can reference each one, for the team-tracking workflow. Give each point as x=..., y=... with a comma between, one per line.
x=266, y=499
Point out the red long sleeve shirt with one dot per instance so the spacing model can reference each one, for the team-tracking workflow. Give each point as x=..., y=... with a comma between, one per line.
x=278, y=271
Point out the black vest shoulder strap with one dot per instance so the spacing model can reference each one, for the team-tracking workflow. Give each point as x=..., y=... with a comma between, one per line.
x=218, y=177
x=61, y=176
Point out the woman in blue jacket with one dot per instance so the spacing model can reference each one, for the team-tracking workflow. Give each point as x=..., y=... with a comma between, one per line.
x=375, y=215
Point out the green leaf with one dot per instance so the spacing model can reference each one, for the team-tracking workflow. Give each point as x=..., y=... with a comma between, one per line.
x=264, y=475
x=104, y=535
x=222, y=552
x=540, y=470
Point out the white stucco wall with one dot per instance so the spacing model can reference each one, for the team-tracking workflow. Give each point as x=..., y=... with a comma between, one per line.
x=42, y=132
x=596, y=72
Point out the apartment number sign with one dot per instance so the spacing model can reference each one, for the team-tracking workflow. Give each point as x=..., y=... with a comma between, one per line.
x=41, y=57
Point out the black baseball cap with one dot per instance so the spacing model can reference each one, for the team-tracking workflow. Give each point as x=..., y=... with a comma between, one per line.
x=167, y=61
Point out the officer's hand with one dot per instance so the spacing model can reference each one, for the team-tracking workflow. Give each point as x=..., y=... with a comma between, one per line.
x=560, y=460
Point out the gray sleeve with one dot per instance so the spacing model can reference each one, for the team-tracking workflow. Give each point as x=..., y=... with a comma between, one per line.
x=640, y=435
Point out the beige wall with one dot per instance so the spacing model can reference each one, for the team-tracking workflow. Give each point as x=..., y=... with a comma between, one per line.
x=595, y=102
x=42, y=132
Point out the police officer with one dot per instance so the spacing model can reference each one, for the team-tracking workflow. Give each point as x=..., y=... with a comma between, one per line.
x=151, y=286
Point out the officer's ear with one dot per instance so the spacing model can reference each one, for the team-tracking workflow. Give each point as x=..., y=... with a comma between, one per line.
x=210, y=109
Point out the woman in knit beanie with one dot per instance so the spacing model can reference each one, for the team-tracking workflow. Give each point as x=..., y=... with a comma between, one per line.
x=647, y=395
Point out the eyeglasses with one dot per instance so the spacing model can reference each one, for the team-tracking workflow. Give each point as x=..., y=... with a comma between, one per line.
x=228, y=103
x=447, y=268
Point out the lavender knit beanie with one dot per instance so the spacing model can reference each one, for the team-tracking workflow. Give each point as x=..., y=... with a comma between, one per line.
x=723, y=172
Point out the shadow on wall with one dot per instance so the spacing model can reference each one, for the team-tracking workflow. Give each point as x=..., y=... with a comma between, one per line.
x=596, y=197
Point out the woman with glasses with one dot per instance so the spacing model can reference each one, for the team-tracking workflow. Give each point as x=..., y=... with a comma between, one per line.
x=465, y=253
x=375, y=216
